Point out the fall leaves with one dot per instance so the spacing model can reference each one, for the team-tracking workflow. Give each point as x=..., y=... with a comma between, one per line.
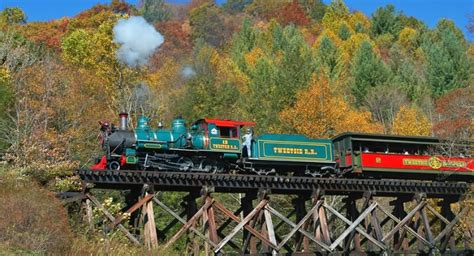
x=321, y=113
x=292, y=66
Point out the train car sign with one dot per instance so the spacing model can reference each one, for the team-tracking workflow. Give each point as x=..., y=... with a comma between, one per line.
x=417, y=162
x=295, y=150
x=224, y=144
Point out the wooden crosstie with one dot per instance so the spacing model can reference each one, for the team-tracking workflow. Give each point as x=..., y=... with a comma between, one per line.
x=364, y=223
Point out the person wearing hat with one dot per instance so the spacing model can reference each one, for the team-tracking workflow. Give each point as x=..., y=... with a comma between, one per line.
x=247, y=142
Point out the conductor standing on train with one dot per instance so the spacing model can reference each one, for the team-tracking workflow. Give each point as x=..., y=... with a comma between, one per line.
x=247, y=138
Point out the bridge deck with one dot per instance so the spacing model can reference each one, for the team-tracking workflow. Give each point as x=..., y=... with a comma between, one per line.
x=185, y=181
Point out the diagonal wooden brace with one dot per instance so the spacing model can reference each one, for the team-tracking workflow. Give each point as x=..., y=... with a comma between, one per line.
x=130, y=210
x=112, y=218
x=402, y=224
x=248, y=227
x=188, y=224
x=293, y=225
x=242, y=224
x=353, y=225
x=299, y=225
x=405, y=226
x=360, y=230
x=448, y=228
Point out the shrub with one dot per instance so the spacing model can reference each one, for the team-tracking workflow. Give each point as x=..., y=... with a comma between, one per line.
x=32, y=218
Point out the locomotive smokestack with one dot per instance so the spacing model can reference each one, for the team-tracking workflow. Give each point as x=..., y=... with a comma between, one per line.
x=123, y=121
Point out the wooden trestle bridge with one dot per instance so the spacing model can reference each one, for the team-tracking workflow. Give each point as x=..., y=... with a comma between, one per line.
x=370, y=216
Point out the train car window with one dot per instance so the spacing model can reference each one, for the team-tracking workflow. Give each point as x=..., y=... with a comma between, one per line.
x=228, y=132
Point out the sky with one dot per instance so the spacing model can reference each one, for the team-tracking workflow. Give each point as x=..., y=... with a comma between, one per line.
x=429, y=11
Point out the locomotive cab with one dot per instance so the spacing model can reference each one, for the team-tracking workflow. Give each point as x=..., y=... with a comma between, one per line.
x=218, y=135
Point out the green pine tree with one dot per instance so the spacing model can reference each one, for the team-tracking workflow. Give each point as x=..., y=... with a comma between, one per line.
x=448, y=64
x=368, y=71
x=386, y=21
x=327, y=58
x=155, y=11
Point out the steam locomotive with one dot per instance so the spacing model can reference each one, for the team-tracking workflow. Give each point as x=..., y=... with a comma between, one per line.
x=214, y=145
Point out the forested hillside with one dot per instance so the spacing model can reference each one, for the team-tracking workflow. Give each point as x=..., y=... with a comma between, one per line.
x=291, y=66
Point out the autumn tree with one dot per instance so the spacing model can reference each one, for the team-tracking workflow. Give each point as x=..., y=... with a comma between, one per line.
x=335, y=13
x=206, y=95
x=11, y=16
x=48, y=33
x=315, y=9
x=206, y=22
x=409, y=39
x=177, y=44
x=94, y=50
x=384, y=102
x=236, y=6
x=292, y=13
x=265, y=9
x=242, y=43
x=6, y=101
x=319, y=113
x=16, y=54
x=411, y=121
x=455, y=119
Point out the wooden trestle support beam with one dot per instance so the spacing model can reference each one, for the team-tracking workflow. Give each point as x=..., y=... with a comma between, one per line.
x=358, y=223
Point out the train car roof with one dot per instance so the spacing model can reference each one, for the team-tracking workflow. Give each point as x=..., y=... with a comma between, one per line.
x=392, y=138
x=227, y=123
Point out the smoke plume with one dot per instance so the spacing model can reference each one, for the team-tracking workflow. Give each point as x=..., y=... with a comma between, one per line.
x=138, y=40
x=188, y=72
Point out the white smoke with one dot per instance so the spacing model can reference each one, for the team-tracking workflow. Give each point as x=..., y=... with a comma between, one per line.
x=188, y=72
x=138, y=40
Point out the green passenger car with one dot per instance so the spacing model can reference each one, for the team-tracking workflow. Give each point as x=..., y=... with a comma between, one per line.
x=293, y=152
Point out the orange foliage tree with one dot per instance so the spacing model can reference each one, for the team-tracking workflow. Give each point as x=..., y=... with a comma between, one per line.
x=455, y=119
x=292, y=13
x=320, y=113
x=411, y=121
x=48, y=33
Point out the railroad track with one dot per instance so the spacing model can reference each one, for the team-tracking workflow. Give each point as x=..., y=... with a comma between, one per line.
x=185, y=181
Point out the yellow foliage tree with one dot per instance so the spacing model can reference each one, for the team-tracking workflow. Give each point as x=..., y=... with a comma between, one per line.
x=4, y=75
x=359, y=22
x=336, y=12
x=407, y=39
x=252, y=56
x=351, y=45
x=411, y=121
x=319, y=113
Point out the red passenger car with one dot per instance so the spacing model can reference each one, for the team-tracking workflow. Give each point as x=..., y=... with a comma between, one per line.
x=389, y=156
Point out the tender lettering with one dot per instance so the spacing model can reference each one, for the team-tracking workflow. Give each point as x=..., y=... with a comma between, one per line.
x=294, y=151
